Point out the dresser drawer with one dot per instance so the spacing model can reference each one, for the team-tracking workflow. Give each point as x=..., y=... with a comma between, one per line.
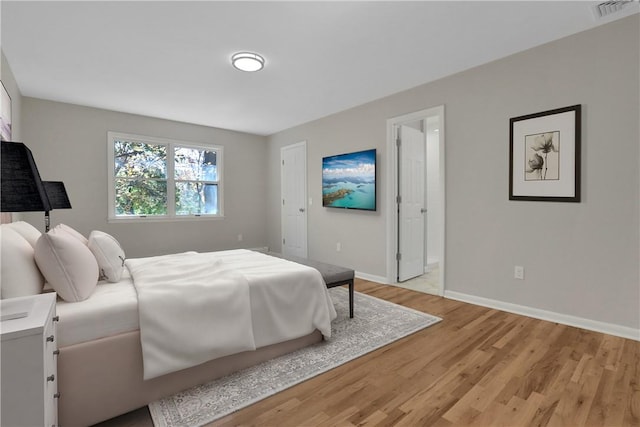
x=29, y=366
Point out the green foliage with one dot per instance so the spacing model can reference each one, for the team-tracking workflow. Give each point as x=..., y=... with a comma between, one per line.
x=141, y=197
x=140, y=160
x=140, y=183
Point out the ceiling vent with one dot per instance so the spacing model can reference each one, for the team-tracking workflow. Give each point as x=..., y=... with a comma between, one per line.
x=608, y=8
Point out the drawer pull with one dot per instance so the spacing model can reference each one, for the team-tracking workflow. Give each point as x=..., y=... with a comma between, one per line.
x=56, y=318
x=51, y=378
x=56, y=352
x=50, y=338
x=57, y=395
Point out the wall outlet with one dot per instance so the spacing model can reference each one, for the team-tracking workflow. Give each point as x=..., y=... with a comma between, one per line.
x=240, y=237
x=338, y=247
x=518, y=272
x=310, y=201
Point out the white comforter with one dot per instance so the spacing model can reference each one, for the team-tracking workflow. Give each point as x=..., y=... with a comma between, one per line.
x=198, y=307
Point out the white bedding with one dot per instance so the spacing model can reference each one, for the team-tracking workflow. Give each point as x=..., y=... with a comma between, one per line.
x=179, y=291
x=288, y=300
x=112, y=309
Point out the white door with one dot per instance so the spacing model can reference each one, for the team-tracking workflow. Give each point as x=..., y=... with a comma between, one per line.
x=411, y=206
x=294, y=195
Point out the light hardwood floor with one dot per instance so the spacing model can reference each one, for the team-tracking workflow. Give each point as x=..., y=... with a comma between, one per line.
x=478, y=367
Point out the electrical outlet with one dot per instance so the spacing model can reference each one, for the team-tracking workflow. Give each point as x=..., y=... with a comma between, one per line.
x=310, y=201
x=518, y=272
x=338, y=247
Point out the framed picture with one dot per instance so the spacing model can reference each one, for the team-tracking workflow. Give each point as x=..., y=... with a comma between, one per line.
x=544, y=156
x=5, y=115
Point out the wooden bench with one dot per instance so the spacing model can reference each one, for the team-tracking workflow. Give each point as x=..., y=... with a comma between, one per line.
x=333, y=275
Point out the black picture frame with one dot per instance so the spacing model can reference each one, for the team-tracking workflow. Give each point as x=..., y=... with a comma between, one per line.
x=544, y=156
x=5, y=114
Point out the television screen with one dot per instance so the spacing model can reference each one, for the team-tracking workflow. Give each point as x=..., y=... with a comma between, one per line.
x=349, y=180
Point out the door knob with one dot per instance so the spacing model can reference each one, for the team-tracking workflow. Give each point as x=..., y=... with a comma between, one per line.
x=301, y=209
x=423, y=210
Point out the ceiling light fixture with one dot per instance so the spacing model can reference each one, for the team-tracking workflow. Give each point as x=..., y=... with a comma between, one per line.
x=247, y=61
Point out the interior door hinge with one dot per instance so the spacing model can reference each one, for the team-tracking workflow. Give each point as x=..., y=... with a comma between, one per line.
x=282, y=162
x=398, y=199
x=398, y=142
x=283, y=241
x=282, y=202
x=398, y=256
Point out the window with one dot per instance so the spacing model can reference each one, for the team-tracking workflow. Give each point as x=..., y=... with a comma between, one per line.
x=152, y=178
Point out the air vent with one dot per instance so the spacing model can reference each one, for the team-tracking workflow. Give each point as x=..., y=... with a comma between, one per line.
x=610, y=7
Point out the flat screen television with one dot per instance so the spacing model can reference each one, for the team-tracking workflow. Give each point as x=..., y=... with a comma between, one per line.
x=349, y=180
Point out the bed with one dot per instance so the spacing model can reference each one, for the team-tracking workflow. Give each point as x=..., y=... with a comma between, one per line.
x=102, y=369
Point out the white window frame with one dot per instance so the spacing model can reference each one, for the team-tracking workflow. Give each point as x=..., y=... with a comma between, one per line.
x=171, y=204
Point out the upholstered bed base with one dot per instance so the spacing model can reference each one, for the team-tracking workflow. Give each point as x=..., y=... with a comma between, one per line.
x=102, y=379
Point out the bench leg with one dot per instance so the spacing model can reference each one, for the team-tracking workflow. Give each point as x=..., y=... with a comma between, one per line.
x=351, y=298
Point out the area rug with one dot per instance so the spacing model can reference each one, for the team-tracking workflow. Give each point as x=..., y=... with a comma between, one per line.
x=376, y=324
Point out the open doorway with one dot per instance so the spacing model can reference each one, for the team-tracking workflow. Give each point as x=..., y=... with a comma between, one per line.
x=415, y=224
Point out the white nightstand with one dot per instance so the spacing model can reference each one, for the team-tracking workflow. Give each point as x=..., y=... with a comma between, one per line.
x=29, y=387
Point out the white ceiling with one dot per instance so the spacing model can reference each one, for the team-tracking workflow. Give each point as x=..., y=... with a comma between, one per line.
x=171, y=59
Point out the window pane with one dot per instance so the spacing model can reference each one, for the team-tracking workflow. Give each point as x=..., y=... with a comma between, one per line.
x=195, y=164
x=139, y=160
x=141, y=197
x=193, y=198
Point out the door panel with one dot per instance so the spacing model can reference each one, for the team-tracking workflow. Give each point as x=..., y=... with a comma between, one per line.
x=294, y=196
x=411, y=208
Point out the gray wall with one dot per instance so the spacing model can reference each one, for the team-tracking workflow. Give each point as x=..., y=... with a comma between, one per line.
x=580, y=259
x=69, y=144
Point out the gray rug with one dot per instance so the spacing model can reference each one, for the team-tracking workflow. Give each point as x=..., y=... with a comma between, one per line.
x=376, y=324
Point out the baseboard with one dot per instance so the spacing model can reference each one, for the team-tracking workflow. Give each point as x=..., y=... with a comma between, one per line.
x=565, y=319
x=372, y=278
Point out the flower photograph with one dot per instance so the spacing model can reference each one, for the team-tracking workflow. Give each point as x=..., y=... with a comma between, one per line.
x=542, y=155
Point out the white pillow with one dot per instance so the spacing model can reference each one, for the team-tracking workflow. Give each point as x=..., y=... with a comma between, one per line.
x=109, y=255
x=19, y=274
x=71, y=232
x=26, y=230
x=67, y=264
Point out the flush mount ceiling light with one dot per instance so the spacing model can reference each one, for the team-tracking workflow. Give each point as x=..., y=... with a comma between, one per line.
x=247, y=61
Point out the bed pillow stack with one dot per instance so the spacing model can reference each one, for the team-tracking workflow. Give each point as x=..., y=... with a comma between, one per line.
x=69, y=262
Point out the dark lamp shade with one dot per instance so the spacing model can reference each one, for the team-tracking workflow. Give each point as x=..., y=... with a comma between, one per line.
x=57, y=194
x=21, y=189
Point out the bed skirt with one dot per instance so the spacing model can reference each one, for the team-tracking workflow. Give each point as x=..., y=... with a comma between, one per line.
x=101, y=379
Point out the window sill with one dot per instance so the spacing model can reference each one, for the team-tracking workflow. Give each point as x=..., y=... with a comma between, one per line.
x=146, y=219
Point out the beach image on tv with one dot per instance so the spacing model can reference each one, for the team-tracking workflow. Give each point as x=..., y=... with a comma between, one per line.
x=349, y=180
